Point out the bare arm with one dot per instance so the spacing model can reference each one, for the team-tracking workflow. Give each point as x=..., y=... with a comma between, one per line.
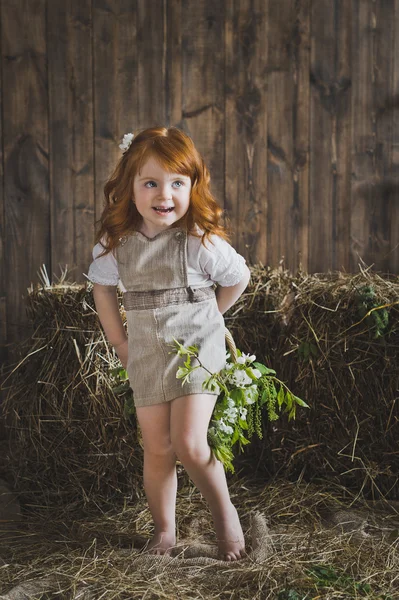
x=106, y=301
x=227, y=296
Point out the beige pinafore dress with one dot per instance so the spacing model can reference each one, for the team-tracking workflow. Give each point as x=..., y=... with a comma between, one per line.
x=161, y=306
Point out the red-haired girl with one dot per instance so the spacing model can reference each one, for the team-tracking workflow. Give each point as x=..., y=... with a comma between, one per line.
x=161, y=240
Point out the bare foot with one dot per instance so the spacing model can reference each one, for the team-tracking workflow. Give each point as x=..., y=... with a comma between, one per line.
x=230, y=537
x=161, y=542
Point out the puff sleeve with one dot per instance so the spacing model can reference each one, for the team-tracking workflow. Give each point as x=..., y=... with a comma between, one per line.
x=222, y=263
x=104, y=269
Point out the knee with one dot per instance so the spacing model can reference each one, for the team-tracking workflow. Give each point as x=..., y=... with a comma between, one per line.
x=158, y=448
x=189, y=449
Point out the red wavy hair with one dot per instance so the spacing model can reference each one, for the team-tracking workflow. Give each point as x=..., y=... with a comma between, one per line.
x=176, y=153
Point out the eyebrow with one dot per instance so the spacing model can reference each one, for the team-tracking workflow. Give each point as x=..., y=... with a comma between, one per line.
x=177, y=176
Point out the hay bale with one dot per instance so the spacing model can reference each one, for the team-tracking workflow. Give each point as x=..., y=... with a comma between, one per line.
x=334, y=339
x=67, y=438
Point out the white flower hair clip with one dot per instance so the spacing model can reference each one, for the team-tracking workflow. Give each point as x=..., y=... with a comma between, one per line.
x=127, y=140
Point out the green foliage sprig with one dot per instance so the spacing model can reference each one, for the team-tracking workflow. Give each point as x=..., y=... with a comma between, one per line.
x=245, y=389
x=375, y=314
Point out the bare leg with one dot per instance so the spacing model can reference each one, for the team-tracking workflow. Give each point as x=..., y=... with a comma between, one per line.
x=160, y=478
x=190, y=417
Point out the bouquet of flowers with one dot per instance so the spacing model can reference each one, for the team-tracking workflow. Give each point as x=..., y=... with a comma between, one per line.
x=245, y=388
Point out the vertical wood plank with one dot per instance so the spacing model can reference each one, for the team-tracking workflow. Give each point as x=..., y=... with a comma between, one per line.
x=301, y=132
x=330, y=122
x=115, y=85
x=373, y=197
x=151, y=57
x=383, y=73
x=363, y=131
x=342, y=172
x=25, y=143
x=173, y=80
x=203, y=84
x=288, y=131
x=394, y=216
x=71, y=133
x=3, y=280
x=246, y=125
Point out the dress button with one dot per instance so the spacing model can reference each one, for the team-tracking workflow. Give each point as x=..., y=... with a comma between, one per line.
x=179, y=235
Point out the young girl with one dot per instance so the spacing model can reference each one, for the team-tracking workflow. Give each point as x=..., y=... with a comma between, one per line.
x=161, y=241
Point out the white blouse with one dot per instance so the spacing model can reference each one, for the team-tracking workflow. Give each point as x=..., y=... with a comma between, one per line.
x=218, y=263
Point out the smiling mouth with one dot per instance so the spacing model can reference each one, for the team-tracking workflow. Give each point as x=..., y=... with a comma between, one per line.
x=163, y=211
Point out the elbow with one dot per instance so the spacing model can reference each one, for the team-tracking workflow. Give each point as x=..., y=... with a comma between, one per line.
x=247, y=277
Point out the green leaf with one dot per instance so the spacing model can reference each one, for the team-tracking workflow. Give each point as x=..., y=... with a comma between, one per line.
x=119, y=373
x=301, y=402
x=235, y=436
x=237, y=394
x=248, y=371
x=243, y=441
x=263, y=369
x=123, y=387
x=280, y=396
x=193, y=349
x=181, y=372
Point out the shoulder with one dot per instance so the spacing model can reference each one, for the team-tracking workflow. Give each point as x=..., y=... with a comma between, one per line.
x=99, y=249
x=213, y=244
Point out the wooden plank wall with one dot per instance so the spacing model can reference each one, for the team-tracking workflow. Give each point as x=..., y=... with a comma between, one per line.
x=293, y=103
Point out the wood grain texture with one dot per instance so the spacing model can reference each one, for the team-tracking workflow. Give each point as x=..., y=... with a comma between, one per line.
x=294, y=105
x=288, y=132
x=374, y=192
x=203, y=84
x=246, y=125
x=3, y=279
x=25, y=143
x=115, y=86
x=301, y=131
x=70, y=68
x=363, y=131
x=394, y=180
x=384, y=91
x=330, y=121
x=151, y=63
x=173, y=76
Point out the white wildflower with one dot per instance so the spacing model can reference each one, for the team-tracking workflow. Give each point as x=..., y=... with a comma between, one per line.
x=225, y=428
x=230, y=403
x=240, y=378
x=251, y=394
x=256, y=372
x=127, y=140
x=231, y=414
x=246, y=358
x=243, y=413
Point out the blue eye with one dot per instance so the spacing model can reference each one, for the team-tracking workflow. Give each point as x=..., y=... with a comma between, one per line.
x=179, y=182
x=147, y=182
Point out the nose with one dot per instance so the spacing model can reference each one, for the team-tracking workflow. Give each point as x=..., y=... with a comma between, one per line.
x=165, y=191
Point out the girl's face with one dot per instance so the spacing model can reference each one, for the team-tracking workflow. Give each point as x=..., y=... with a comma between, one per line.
x=155, y=188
